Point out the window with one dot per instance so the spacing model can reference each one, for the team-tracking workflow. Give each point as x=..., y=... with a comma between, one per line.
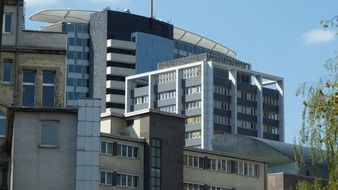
x=246, y=110
x=28, y=86
x=48, y=89
x=106, y=148
x=193, y=120
x=2, y=124
x=7, y=70
x=166, y=95
x=170, y=109
x=271, y=129
x=221, y=105
x=106, y=178
x=246, y=124
x=49, y=133
x=193, y=134
x=246, y=95
x=191, y=186
x=127, y=151
x=7, y=23
x=126, y=180
x=141, y=100
x=193, y=105
x=167, y=77
x=270, y=115
x=218, y=119
x=221, y=90
x=155, y=167
x=191, y=72
x=193, y=90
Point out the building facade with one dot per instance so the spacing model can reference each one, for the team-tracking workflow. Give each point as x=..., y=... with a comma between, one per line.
x=217, y=94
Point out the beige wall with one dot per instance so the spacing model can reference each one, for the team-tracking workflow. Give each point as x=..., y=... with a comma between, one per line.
x=121, y=164
x=220, y=179
x=41, y=168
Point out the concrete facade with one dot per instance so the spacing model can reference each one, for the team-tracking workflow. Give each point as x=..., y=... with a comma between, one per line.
x=217, y=94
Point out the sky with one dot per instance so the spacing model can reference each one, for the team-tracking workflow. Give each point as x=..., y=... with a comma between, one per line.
x=282, y=38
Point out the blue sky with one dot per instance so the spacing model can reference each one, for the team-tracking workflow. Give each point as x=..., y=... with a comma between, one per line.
x=282, y=38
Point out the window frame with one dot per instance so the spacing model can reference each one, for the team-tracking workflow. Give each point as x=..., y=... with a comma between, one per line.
x=48, y=85
x=4, y=23
x=3, y=117
x=28, y=84
x=41, y=144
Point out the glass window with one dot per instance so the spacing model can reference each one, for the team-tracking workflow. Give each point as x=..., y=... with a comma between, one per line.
x=49, y=133
x=7, y=26
x=7, y=71
x=2, y=124
x=70, y=27
x=48, y=91
x=70, y=55
x=28, y=94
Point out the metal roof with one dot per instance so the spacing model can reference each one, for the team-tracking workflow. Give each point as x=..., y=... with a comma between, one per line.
x=83, y=16
x=62, y=15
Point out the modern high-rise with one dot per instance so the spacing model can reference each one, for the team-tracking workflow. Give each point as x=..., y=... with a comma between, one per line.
x=120, y=44
x=218, y=94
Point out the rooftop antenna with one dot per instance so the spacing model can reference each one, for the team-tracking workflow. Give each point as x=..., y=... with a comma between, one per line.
x=152, y=9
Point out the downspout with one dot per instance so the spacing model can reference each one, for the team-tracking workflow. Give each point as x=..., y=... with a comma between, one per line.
x=16, y=63
x=2, y=7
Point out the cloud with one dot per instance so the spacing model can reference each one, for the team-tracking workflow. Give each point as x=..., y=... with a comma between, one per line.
x=317, y=36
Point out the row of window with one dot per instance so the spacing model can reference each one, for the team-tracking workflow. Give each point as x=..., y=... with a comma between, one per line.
x=77, y=55
x=194, y=186
x=246, y=110
x=122, y=150
x=78, y=42
x=246, y=124
x=80, y=28
x=7, y=70
x=155, y=167
x=118, y=179
x=221, y=165
x=48, y=89
x=78, y=82
x=166, y=95
x=193, y=134
x=2, y=124
x=270, y=100
x=141, y=100
x=76, y=95
x=271, y=129
x=246, y=95
x=221, y=105
x=191, y=72
x=167, y=77
x=193, y=119
x=221, y=73
x=221, y=90
x=193, y=105
x=193, y=90
x=218, y=119
x=271, y=115
x=78, y=69
x=170, y=109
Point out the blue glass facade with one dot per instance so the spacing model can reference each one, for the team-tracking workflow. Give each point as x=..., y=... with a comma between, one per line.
x=183, y=49
x=150, y=50
x=78, y=51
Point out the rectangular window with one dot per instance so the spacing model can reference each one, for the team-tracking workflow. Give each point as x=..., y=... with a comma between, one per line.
x=48, y=89
x=7, y=70
x=49, y=133
x=127, y=180
x=106, y=148
x=127, y=151
x=28, y=87
x=156, y=155
x=7, y=23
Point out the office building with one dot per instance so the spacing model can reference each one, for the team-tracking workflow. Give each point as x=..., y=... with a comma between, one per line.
x=218, y=94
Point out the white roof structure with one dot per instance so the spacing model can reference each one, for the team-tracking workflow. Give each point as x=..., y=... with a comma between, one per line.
x=62, y=15
x=83, y=16
x=193, y=38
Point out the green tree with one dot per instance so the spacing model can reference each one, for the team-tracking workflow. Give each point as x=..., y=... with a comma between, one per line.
x=320, y=126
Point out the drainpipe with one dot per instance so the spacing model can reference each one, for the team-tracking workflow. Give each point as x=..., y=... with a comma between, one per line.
x=16, y=63
x=2, y=5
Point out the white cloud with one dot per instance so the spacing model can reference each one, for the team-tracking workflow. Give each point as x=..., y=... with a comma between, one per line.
x=317, y=36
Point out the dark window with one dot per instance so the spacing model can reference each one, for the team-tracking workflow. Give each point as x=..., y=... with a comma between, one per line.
x=114, y=105
x=7, y=23
x=121, y=51
x=115, y=91
x=79, y=42
x=48, y=89
x=70, y=82
x=77, y=69
x=121, y=65
x=70, y=41
x=70, y=27
x=117, y=78
x=49, y=133
x=2, y=124
x=28, y=86
x=155, y=167
x=7, y=71
x=70, y=55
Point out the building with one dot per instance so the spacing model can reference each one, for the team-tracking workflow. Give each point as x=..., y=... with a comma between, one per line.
x=32, y=64
x=142, y=151
x=123, y=44
x=217, y=94
x=52, y=148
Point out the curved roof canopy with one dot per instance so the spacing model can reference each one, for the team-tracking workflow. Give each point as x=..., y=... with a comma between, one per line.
x=83, y=16
x=275, y=152
x=62, y=15
x=193, y=38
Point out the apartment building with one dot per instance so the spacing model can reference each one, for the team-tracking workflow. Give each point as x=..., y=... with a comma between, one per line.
x=32, y=64
x=218, y=94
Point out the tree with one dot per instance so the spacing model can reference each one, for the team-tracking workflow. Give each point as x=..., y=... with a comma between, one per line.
x=320, y=126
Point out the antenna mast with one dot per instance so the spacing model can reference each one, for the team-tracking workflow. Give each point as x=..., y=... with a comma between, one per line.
x=152, y=9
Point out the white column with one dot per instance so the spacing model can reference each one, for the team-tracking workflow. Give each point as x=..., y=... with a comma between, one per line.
x=233, y=106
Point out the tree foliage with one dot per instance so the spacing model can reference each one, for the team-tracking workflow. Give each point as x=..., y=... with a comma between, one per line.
x=320, y=126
